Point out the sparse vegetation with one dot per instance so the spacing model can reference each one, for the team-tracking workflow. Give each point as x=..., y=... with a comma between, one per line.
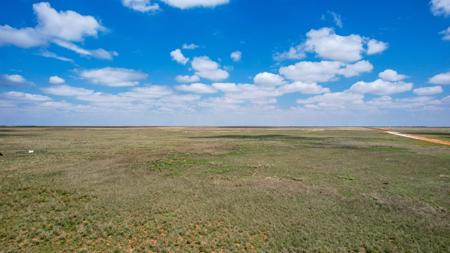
x=222, y=190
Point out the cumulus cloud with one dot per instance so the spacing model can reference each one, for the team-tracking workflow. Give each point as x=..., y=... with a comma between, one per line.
x=294, y=53
x=225, y=87
x=355, y=69
x=67, y=91
x=60, y=27
x=208, y=69
x=323, y=71
x=113, y=77
x=336, y=100
x=24, y=97
x=12, y=79
x=178, y=56
x=236, y=56
x=443, y=78
x=304, y=88
x=200, y=88
x=427, y=91
x=445, y=34
x=440, y=7
x=328, y=45
x=376, y=47
x=187, y=79
x=25, y=37
x=312, y=72
x=391, y=76
x=141, y=5
x=56, y=80
x=268, y=79
x=65, y=25
x=419, y=102
x=381, y=87
x=187, y=4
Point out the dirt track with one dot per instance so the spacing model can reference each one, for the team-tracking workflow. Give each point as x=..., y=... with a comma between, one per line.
x=417, y=137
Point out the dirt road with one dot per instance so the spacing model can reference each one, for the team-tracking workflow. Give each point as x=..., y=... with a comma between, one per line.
x=417, y=137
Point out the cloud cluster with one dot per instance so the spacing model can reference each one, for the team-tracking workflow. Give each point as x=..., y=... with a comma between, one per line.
x=12, y=79
x=187, y=4
x=236, y=56
x=328, y=45
x=113, y=77
x=178, y=56
x=56, y=80
x=324, y=71
x=151, y=5
x=206, y=68
x=445, y=34
x=63, y=28
x=141, y=5
x=442, y=78
x=440, y=7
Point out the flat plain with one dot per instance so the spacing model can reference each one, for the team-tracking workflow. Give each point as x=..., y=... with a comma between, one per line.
x=223, y=190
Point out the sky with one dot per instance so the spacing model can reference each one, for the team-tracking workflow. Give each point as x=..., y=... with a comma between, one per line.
x=225, y=62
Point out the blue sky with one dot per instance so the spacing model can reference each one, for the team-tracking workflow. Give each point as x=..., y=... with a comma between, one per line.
x=225, y=62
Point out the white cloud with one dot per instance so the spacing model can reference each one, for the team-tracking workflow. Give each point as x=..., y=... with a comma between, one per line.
x=24, y=97
x=323, y=71
x=440, y=7
x=336, y=18
x=336, y=100
x=391, y=76
x=141, y=5
x=328, y=45
x=420, y=102
x=65, y=25
x=381, y=87
x=225, y=87
x=236, y=56
x=426, y=91
x=25, y=37
x=376, y=47
x=178, y=56
x=443, y=78
x=312, y=72
x=190, y=46
x=197, y=88
x=13, y=79
x=59, y=27
x=304, y=88
x=208, y=69
x=67, y=91
x=294, y=53
x=52, y=55
x=114, y=77
x=187, y=4
x=56, y=80
x=268, y=79
x=445, y=34
x=356, y=69
x=187, y=79
x=147, y=92
x=99, y=53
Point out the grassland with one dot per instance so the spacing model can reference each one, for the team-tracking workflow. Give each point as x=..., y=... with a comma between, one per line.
x=222, y=190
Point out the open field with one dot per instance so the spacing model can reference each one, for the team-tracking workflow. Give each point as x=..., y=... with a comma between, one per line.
x=223, y=190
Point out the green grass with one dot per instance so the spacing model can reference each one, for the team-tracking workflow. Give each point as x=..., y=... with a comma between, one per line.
x=222, y=190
